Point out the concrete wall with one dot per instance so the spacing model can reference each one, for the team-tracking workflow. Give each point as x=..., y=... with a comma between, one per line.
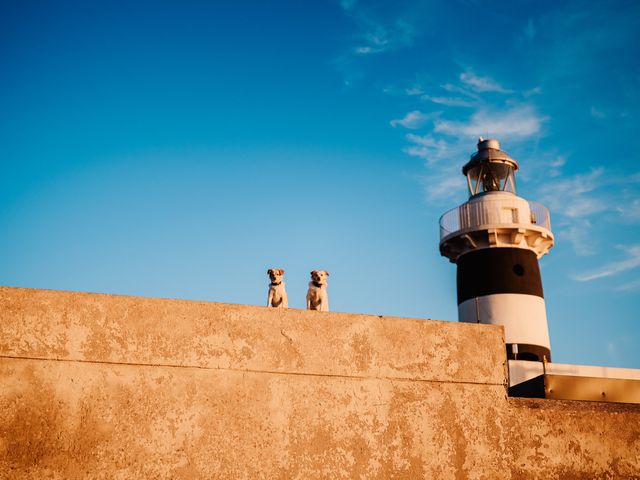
x=103, y=386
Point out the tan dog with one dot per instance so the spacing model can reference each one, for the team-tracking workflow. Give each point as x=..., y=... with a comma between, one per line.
x=277, y=294
x=317, y=298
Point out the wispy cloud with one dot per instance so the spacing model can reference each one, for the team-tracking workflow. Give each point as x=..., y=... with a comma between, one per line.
x=632, y=286
x=378, y=29
x=378, y=37
x=553, y=166
x=450, y=101
x=580, y=200
x=377, y=33
x=481, y=84
x=516, y=122
x=629, y=210
x=595, y=113
x=461, y=97
x=576, y=231
x=585, y=194
x=442, y=182
x=532, y=91
x=414, y=90
x=614, y=268
x=572, y=202
x=412, y=120
x=455, y=88
x=427, y=147
x=444, y=186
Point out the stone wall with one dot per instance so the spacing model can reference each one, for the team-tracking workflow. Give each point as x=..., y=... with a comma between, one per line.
x=103, y=386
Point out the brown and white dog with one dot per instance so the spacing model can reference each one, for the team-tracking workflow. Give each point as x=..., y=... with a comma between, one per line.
x=277, y=294
x=317, y=298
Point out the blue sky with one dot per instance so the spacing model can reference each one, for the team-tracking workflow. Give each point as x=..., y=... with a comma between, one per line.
x=179, y=149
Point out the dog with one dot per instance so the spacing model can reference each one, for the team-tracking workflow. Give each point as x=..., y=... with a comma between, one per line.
x=277, y=294
x=317, y=298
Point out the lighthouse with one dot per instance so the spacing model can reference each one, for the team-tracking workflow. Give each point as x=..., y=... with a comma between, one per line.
x=495, y=239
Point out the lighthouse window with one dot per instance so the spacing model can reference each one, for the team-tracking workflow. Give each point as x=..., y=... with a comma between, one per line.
x=491, y=177
x=518, y=270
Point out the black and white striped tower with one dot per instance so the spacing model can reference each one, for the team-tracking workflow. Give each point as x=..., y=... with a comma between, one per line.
x=496, y=239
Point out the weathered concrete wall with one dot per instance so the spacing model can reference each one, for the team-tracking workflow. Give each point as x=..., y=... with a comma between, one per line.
x=102, y=386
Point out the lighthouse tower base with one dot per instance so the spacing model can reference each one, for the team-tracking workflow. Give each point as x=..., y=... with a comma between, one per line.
x=523, y=316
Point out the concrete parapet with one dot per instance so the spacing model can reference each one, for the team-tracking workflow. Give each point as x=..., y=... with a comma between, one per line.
x=119, y=329
x=102, y=386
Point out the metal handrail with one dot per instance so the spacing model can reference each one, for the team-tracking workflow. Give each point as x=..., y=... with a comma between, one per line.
x=450, y=222
x=540, y=215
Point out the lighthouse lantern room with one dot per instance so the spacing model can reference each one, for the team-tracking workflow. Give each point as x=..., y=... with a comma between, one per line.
x=490, y=170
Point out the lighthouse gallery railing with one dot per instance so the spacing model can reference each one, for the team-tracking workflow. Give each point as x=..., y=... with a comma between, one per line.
x=454, y=220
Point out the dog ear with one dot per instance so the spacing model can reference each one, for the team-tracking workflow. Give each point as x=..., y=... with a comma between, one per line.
x=312, y=272
x=269, y=271
x=326, y=273
x=281, y=271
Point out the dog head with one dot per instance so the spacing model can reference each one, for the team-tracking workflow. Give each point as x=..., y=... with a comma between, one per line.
x=319, y=277
x=275, y=275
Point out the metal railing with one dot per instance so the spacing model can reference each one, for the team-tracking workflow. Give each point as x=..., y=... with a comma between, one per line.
x=540, y=215
x=477, y=214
